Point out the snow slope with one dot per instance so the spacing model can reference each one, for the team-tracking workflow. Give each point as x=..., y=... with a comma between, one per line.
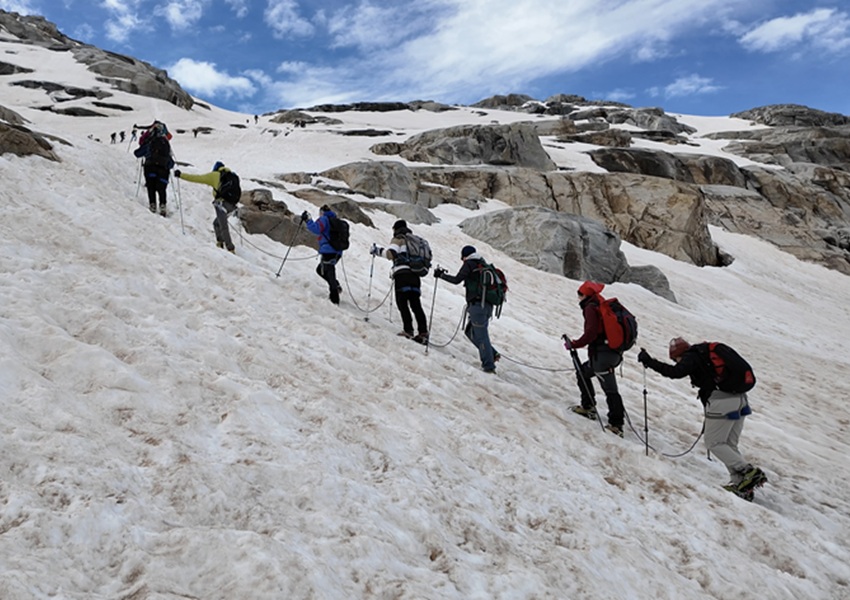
x=181, y=423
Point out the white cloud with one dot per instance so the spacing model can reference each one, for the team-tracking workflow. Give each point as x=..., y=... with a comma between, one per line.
x=22, y=7
x=688, y=86
x=240, y=7
x=484, y=45
x=182, y=14
x=202, y=78
x=368, y=26
x=283, y=18
x=823, y=28
x=536, y=38
x=123, y=20
x=617, y=95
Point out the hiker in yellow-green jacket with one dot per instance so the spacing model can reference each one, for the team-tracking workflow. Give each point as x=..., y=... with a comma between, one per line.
x=226, y=193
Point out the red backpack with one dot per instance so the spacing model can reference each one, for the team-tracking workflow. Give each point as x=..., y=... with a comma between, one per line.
x=619, y=324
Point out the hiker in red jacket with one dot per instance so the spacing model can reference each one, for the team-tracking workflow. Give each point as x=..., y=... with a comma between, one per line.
x=602, y=360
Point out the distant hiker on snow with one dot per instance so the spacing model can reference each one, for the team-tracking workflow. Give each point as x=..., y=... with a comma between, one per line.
x=407, y=280
x=156, y=152
x=226, y=193
x=478, y=310
x=602, y=360
x=327, y=230
x=723, y=379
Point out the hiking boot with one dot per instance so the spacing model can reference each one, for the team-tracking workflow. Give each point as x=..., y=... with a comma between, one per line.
x=152, y=208
x=496, y=357
x=590, y=413
x=232, y=250
x=752, y=478
x=732, y=487
x=162, y=211
x=489, y=371
x=219, y=244
x=405, y=334
x=421, y=338
x=334, y=296
x=618, y=431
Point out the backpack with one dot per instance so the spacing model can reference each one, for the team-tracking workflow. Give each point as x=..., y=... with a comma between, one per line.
x=229, y=189
x=418, y=255
x=731, y=373
x=159, y=153
x=337, y=235
x=619, y=324
x=494, y=284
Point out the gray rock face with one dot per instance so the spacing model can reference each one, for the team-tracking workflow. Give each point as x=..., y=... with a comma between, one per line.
x=569, y=245
x=650, y=212
x=827, y=146
x=514, y=145
x=689, y=168
x=119, y=71
x=792, y=114
x=18, y=140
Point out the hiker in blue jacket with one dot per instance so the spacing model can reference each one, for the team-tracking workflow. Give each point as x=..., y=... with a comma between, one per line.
x=329, y=255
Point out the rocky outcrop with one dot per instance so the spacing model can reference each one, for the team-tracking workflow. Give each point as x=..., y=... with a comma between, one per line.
x=689, y=168
x=795, y=115
x=650, y=212
x=827, y=146
x=10, y=116
x=569, y=245
x=261, y=214
x=18, y=140
x=509, y=145
x=121, y=72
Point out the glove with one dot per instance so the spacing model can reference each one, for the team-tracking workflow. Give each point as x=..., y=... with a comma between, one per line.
x=438, y=273
x=376, y=250
x=177, y=173
x=305, y=216
x=643, y=357
x=567, y=342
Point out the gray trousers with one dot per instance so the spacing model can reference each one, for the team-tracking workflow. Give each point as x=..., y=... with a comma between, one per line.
x=222, y=230
x=722, y=432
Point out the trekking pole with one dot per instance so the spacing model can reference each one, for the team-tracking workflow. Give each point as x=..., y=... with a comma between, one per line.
x=580, y=375
x=431, y=317
x=645, y=417
x=179, y=203
x=292, y=241
x=390, y=305
x=139, y=179
x=371, y=272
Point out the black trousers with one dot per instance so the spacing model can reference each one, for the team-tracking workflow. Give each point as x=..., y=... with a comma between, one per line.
x=408, y=297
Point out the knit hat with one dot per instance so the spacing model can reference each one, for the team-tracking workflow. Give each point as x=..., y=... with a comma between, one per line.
x=591, y=288
x=466, y=251
x=677, y=347
x=400, y=224
x=218, y=164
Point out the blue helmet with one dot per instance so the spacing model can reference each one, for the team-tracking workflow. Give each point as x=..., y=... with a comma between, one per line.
x=218, y=164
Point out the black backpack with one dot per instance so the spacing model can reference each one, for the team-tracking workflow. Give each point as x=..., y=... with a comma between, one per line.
x=159, y=153
x=229, y=189
x=490, y=283
x=337, y=233
x=418, y=256
x=731, y=373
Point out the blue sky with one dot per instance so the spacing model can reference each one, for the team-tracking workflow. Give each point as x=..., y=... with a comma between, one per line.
x=712, y=57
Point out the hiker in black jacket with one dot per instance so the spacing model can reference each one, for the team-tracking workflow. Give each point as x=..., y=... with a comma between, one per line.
x=478, y=310
x=724, y=412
